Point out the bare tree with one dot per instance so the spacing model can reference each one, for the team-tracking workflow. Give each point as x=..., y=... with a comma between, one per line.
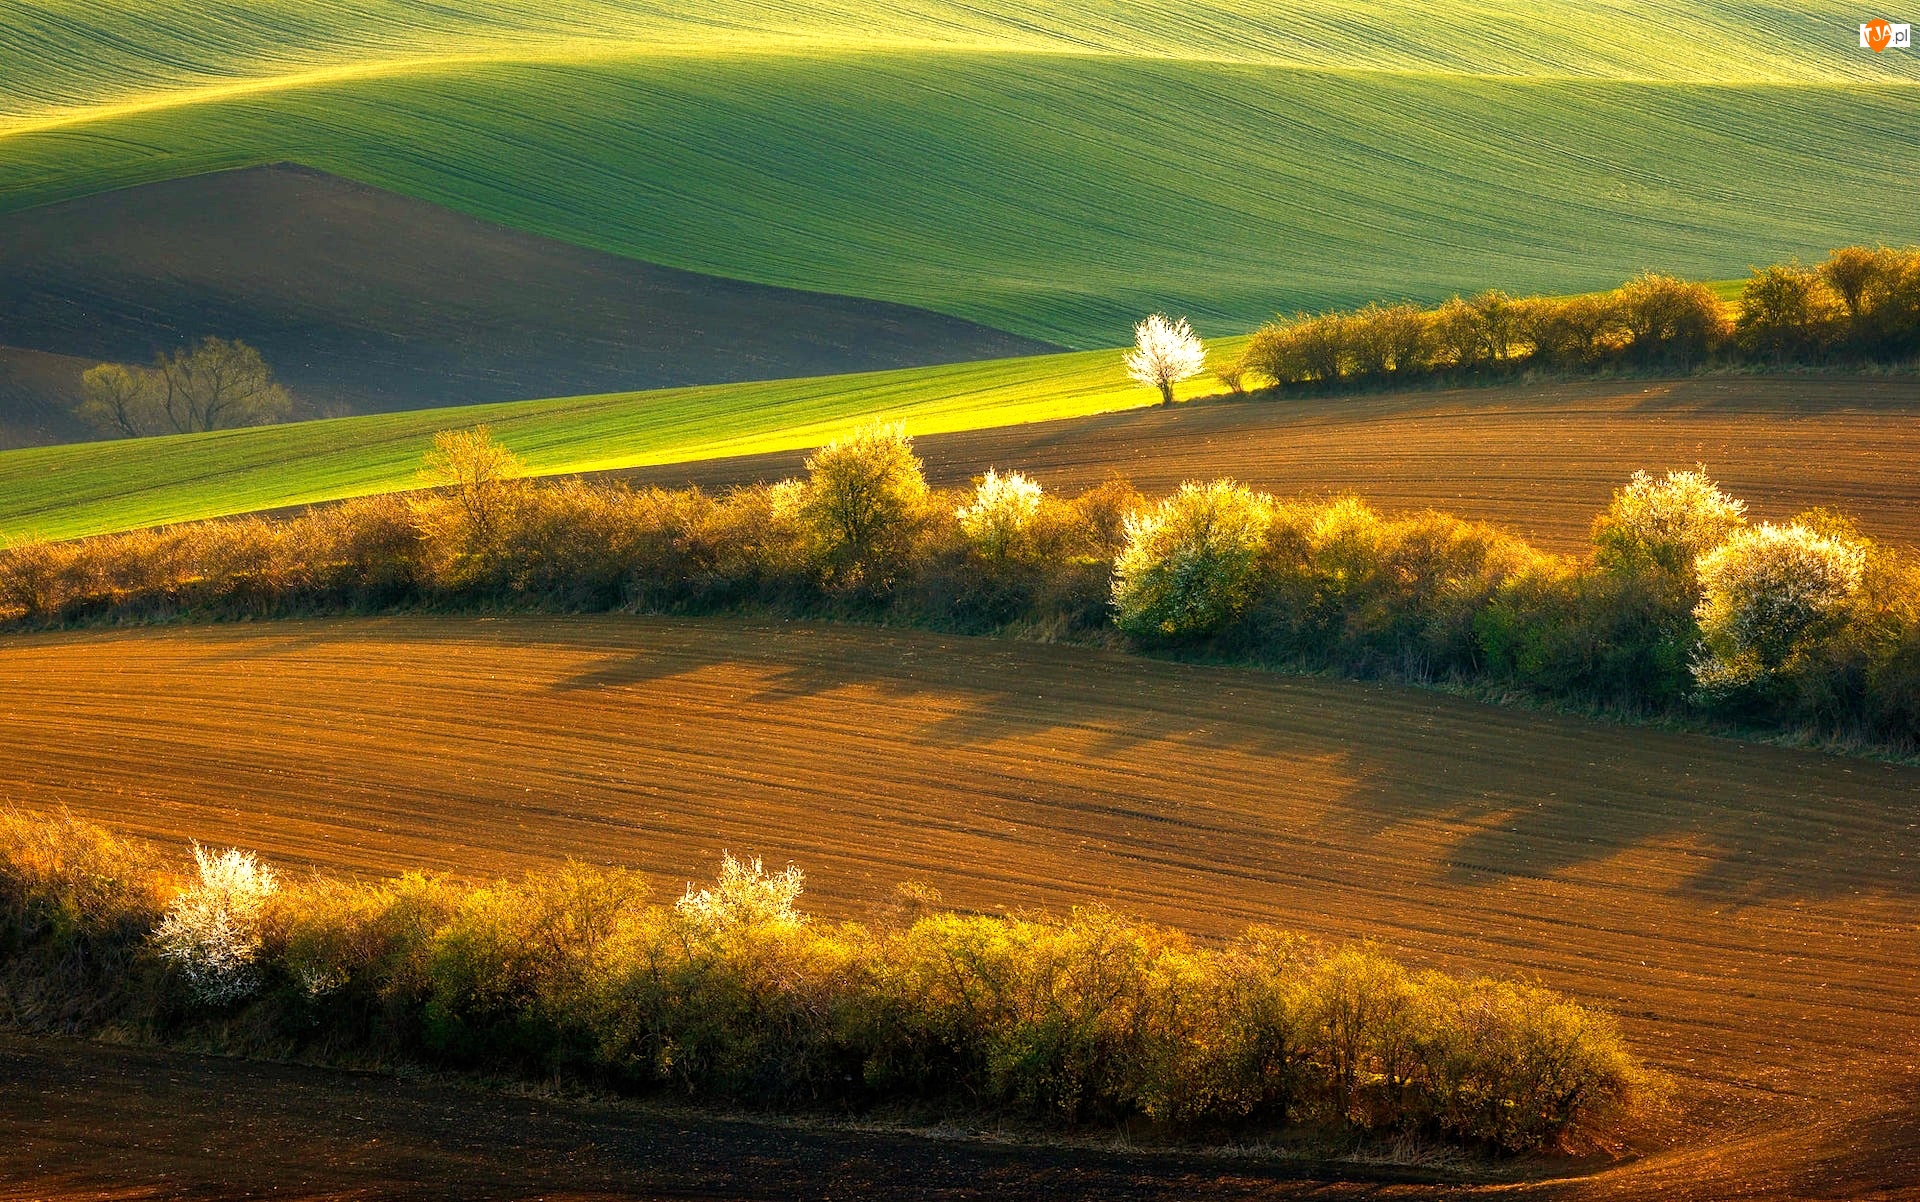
x=121, y=400
x=216, y=385
x=479, y=472
x=1851, y=271
x=863, y=496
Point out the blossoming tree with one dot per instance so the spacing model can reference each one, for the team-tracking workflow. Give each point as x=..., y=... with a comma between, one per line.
x=1165, y=353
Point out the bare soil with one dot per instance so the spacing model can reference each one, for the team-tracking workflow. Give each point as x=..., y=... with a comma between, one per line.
x=38, y=392
x=1541, y=458
x=1748, y=911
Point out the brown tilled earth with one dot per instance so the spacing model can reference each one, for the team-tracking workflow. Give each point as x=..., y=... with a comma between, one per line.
x=1541, y=458
x=1751, y=913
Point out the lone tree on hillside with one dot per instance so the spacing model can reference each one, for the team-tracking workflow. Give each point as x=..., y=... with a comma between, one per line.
x=483, y=475
x=216, y=385
x=1165, y=353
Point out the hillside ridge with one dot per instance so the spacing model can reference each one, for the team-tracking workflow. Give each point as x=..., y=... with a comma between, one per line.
x=366, y=301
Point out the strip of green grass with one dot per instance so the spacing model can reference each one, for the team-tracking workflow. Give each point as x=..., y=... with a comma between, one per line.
x=95, y=488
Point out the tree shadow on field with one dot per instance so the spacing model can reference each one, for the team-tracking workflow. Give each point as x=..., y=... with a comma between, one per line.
x=1779, y=397
x=268, y=638
x=1533, y=796
x=1154, y=753
x=625, y=671
x=944, y=696
x=1505, y=794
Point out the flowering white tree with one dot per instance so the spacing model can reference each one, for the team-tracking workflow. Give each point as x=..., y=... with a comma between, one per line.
x=211, y=932
x=1003, y=507
x=1670, y=522
x=1190, y=562
x=1165, y=353
x=1767, y=592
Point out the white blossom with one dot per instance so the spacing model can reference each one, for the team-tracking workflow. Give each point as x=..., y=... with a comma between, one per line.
x=1002, y=509
x=746, y=895
x=1165, y=352
x=1764, y=593
x=211, y=931
x=1189, y=562
x=1672, y=520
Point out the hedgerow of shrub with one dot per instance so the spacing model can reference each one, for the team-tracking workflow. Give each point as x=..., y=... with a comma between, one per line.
x=1190, y=563
x=76, y=902
x=1861, y=305
x=733, y=994
x=1660, y=617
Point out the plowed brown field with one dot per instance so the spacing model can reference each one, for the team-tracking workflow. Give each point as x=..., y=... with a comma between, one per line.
x=1541, y=458
x=1750, y=912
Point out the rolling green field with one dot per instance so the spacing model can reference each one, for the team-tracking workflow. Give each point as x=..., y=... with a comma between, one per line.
x=93, y=488
x=1050, y=170
x=66, y=55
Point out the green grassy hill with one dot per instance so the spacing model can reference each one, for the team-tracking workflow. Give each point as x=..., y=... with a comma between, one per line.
x=94, y=488
x=1049, y=169
x=69, y=54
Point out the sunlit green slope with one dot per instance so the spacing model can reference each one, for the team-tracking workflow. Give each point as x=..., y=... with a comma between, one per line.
x=93, y=488
x=59, y=55
x=1053, y=168
x=1060, y=196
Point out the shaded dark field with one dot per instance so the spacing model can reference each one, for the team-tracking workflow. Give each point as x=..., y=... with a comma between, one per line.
x=123, y=1123
x=1540, y=458
x=38, y=391
x=368, y=301
x=1747, y=911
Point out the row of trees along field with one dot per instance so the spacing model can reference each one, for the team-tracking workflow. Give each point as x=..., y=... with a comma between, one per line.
x=1861, y=305
x=1681, y=607
x=730, y=993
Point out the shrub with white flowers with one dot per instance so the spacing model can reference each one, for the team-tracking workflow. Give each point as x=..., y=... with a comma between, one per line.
x=1001, y=513
x=1191, y=562
x=211, y=931
x=1670, y=521
x=746, y=896
x=1768, y=593
x=1164, y=353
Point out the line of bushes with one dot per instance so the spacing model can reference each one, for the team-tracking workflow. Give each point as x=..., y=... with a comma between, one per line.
x=1681, y=607
x=732, y=994
x=1861, y=305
